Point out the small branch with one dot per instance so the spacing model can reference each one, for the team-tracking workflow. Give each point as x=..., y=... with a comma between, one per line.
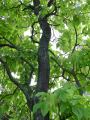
x=68, y=71
x=27, y=62
x=59, y=111
x=14, y=7
x=11, y=45
x=76, y=38
x=61, y=66
x=51, y=2
x=63, y=72
x=29, y=7
x=30, y=77
x=15, y=81
x=57, y=77
x=32, y=70
x=11, y=94
x=7, y=45
x=32, y=33
x=77, y=83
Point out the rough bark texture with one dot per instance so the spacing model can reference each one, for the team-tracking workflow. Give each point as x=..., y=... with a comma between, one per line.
x=43, y=64
x=43, y=59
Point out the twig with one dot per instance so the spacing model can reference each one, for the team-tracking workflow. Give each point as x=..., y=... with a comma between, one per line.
x=7, y=45
x=76, y=38
x=10, y=94
x=15, y=81
x=72, y=72
x=32, y=33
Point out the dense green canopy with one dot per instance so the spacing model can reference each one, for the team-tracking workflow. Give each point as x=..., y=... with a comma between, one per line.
x=24, y=24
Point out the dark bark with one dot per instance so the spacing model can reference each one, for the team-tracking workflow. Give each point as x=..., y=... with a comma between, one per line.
x=43, y=59
x=50, y=2
x=43, y=64
x=36, y=6
x=38, y=116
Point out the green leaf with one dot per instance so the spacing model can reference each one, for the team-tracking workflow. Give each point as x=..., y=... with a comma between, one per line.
x=78, y=112
x=44, y=108
x=76, y=20
x=36, y=107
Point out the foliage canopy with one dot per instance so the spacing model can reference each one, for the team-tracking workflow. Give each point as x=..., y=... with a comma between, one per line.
x=22, y=55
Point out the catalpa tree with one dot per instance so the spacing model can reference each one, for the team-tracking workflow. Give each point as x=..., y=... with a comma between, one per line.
x=44, y=59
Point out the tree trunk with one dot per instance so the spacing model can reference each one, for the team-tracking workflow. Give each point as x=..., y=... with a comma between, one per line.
x=43, y=63
x=43, y=59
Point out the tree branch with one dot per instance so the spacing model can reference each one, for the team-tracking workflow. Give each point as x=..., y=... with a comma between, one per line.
x=78, y=83
x=10, y=94
x=28, y=7
x=72, y=72
x=76, y=38
x=7, y=45
x=15, y=81
x=11, y=45
x=32, y=33
x=32, y=70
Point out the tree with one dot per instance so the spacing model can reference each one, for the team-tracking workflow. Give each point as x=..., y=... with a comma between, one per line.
x=62, y=75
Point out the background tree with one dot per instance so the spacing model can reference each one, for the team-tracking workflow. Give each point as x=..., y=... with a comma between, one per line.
x=54, y=56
